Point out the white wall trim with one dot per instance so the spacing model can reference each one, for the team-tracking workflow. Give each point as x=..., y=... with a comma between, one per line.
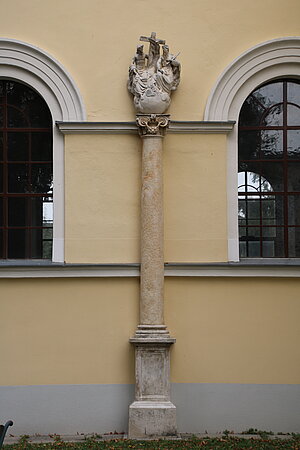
x=278, y=58
x=176, y=127
x=271, y=59
x=30, y=65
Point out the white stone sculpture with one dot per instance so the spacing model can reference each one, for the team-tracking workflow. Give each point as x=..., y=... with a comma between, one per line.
x=153, y=77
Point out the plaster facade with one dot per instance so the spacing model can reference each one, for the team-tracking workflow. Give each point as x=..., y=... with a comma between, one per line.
x=65, y=327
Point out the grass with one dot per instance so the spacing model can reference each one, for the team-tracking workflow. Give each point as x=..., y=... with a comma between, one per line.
x=226, y=442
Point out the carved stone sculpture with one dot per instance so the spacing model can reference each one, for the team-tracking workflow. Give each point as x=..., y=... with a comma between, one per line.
x=153, y=77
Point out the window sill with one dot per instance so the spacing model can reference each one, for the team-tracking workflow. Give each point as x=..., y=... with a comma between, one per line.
x=244, y=268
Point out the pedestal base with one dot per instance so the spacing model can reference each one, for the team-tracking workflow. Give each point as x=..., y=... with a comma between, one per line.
x=152, y=413
x=149, y=419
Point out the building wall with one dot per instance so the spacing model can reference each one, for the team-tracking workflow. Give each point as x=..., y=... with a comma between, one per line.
x=95, y=43
x=103, y=183
x=66, y=363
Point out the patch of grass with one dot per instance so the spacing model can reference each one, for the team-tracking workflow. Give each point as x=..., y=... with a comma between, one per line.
x=227, y=442
x=261, y=433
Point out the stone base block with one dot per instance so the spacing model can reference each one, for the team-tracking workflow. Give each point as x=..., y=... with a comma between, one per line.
x=149, y=419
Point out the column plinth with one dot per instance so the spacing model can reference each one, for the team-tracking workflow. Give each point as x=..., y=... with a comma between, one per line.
x=152, y=413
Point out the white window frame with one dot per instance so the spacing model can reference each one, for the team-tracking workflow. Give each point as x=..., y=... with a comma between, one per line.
x=279, y=58
x=30, y=65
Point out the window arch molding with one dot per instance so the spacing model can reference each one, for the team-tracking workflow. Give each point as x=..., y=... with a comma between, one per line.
x=278, y=58
x=30, y=65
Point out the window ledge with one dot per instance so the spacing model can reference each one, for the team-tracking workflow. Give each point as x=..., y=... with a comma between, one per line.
x=244, y=268
x=49, y=269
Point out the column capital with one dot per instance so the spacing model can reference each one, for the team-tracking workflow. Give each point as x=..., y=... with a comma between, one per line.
x=152, y=125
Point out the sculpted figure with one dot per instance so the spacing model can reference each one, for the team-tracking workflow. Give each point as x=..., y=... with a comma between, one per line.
x=153, y=77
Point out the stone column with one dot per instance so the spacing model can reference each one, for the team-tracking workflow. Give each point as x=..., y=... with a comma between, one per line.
x=152, y=413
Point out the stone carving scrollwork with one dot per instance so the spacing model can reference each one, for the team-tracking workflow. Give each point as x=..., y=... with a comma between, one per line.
x=153, y=76
x=152, y=124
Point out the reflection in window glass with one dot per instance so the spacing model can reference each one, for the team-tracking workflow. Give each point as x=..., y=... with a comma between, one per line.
x=274, y=116
x=251, y=112
x=269, y=172
x=271, y=144
x=293, y=144
x=269, y=94
x=293, y=115
x=293, y=93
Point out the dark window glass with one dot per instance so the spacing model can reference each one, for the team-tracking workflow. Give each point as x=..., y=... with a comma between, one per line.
x=41, y=177
x=249, y=143
x=1, y=146
x=1, y=177
x=17, y=211
x=17, y=240
x=252, y=111
x=16, y=118
x=18, y=178
x=269, y=172
x=26, y=208
x=41, y=146
x=294, y=210
x=1, y=212
x=29, y=103
x=18, y=147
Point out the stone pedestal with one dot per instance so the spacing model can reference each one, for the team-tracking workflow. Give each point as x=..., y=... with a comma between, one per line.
x=152, y=413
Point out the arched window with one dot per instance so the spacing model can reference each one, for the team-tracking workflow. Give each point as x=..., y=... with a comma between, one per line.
x=269, y=171
x=47, y=79
x=26, y=205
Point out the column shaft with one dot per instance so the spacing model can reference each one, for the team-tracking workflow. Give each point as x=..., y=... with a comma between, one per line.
x=152, y=233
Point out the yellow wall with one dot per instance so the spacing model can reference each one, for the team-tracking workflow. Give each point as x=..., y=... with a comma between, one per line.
x=72, y=331
x=195, y=198
x=95, y=41
x=76, y=331
x=234, y=330
x=67, y=331
x=103, y=198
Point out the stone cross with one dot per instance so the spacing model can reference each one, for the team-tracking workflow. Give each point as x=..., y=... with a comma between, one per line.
x=153, y=48
x=152, y=39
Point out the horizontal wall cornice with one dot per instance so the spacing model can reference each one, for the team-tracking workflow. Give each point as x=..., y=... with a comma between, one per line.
x=176, y=127
x=270, y=269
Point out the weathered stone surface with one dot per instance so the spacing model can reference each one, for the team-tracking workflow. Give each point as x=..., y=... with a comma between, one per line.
x=152, y=413
x=152, y=233
x=152, y=369
x=149, y=419
x=153, y=77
